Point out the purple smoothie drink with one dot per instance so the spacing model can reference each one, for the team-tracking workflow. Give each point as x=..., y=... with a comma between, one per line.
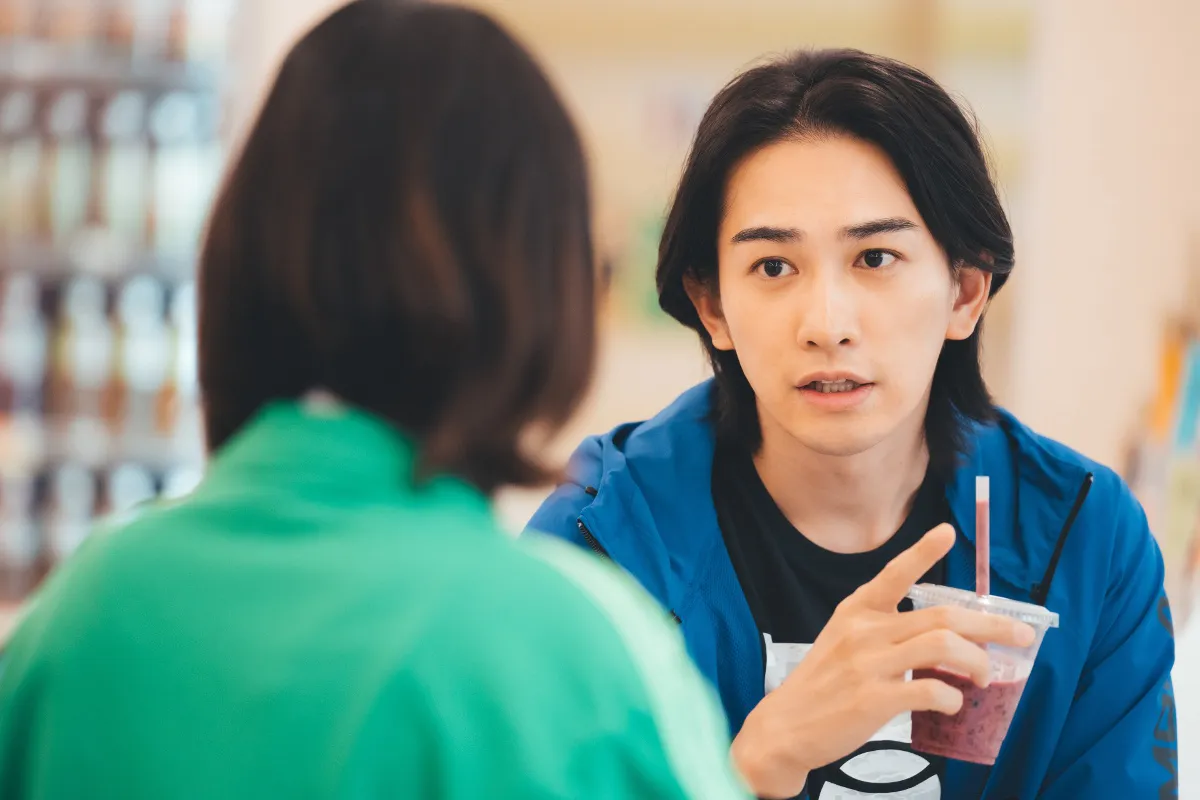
x=977, y=731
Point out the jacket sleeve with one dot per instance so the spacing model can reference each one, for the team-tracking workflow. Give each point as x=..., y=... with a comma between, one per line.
x=662, y=735
x=566, y=683
x=1119, y=739
x=24, y=681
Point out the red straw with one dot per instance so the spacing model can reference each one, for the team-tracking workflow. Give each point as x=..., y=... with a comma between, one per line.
x=983, y=537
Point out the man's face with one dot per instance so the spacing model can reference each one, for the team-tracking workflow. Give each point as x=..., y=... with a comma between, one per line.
x=833, y=293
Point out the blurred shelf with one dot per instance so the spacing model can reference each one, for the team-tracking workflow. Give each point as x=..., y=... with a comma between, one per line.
x=111, y=136
x=95, y=252
x=37, y=65
x=150, y=450
x=32, y=442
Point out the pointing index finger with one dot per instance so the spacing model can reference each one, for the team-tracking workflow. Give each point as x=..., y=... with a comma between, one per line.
x=890, y=586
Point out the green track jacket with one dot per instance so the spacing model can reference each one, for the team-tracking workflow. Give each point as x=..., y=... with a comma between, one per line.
x=311, y=623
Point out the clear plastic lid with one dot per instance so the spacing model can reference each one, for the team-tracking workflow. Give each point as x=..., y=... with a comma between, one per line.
x=927, y=594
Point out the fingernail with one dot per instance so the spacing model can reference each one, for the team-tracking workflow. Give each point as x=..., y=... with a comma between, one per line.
x=1025, y=635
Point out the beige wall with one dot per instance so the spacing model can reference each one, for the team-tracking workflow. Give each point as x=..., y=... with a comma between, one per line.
x=1112, y=199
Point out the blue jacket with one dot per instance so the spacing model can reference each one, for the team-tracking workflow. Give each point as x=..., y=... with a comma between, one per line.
x=1097, y=718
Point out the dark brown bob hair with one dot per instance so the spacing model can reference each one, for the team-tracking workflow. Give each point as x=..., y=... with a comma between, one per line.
x=408, y=227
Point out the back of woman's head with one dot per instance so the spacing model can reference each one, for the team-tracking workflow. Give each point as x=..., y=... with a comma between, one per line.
x=408, y=228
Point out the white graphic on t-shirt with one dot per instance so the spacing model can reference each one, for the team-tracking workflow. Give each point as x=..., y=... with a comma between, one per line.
x=885, y=768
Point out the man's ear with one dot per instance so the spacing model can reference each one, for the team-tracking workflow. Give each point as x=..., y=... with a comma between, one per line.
x=708, y=307
x=974, y=288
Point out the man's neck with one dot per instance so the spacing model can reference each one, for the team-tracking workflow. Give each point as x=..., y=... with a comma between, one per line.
x=846, y=504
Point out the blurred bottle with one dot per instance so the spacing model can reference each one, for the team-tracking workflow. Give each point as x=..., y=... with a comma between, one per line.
x=178, y=417
x=116, y=209
x=20, y=183
x=136, y=30
x=197, y=31
x=181, y=481
x=128, y=486
x=16, y=20
x=144, y=359
x=119, y=25
x=67, y=166
x=22, y=346
x=95, y=213
x=128, y=167
x=70, y=508
x=20, y=543
x=82, y=373
x=133, y=29
x=185, y=158
x=23, y=356
x=70, y=25
x=177, y=17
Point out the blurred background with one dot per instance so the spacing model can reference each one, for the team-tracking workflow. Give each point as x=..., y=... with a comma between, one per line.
x=117, y=116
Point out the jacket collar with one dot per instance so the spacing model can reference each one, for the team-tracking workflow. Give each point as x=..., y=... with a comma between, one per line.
x=1032, y=489
x=657, y=476
x=323, y=450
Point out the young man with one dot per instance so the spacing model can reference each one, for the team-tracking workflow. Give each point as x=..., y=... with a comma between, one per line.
x=834, y=241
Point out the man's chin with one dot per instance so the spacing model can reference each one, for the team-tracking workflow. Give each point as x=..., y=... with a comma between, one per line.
x=839, y=448
x=836, y=439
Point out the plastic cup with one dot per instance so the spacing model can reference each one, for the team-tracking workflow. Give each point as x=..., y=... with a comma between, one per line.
x=976, y=732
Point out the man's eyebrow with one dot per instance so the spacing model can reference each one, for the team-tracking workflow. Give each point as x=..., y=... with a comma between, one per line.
x=767, y=233
x=865, y=230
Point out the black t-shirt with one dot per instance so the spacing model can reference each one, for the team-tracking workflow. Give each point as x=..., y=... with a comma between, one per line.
x=793, y=587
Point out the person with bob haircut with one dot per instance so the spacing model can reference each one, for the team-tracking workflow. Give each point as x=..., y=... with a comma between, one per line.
x=396, y=300
x=834, y=241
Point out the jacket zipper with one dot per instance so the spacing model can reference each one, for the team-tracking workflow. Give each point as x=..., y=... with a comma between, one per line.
x=599, y=550
x=591, y=540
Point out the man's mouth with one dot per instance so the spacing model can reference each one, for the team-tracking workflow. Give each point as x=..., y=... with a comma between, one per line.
x=832, y=387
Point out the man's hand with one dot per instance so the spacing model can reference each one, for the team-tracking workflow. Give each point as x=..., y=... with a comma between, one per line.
x=854, y=680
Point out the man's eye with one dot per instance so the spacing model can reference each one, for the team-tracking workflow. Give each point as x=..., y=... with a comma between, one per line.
x=773, y=267
x=877, y=259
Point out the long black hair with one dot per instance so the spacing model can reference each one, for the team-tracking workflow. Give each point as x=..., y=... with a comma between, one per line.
x=934, y=146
